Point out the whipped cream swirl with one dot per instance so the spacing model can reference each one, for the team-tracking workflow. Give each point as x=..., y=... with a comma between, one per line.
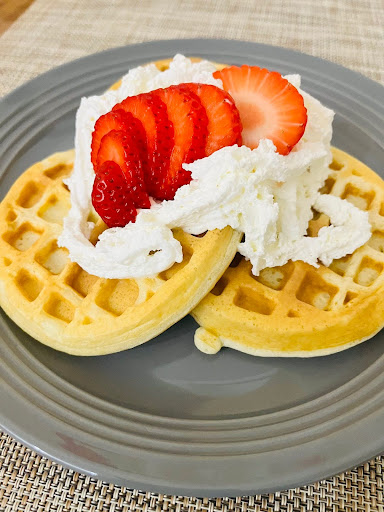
x=267, y=196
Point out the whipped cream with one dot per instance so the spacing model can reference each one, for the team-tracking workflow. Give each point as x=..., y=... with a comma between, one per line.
x=267, y=196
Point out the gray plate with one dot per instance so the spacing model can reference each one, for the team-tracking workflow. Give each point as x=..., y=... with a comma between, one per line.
x=165, y=417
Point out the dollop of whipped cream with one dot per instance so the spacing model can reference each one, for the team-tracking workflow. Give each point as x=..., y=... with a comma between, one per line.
x=267, y=196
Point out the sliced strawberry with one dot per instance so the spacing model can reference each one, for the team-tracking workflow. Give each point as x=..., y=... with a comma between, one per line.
x=270, y=107
x=117, y=120
x=152, y=113
x=112, y=197
x=190, y=124
x=224, y=125
x=119, y=147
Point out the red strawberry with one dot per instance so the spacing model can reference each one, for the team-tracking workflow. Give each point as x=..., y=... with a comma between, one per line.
x=112, y=197
x=270, y=107
x=117, y=120
x=190, y=124
x=224, y=125
x=152, y=113
x=119, y=147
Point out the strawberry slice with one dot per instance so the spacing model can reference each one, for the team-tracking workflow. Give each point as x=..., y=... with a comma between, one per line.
x=112, y=197
x=270, y=107
x=119, y=147
x=190, y=124
x=224, y=125
x=122, y=121
x=152, y=113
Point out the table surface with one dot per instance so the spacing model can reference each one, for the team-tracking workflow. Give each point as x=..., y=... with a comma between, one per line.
x=36, y=35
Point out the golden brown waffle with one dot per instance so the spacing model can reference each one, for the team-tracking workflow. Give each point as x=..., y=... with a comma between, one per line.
x=61, y=305
x=296, y=309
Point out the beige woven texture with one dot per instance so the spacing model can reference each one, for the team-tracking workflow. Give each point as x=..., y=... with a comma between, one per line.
x=51, y=32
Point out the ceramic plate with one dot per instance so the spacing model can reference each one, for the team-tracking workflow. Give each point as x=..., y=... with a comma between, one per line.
x=164, y=417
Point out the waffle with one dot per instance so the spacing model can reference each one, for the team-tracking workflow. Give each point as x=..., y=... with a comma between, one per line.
x=297, y=310
x=61, y=305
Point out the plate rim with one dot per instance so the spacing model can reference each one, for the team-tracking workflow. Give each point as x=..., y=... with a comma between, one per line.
x=114, y=49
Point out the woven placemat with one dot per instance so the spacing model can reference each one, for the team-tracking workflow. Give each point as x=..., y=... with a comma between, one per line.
x=51, y=32
x=31, y=483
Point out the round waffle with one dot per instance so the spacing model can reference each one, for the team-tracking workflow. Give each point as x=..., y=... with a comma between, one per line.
x=297, y=310
x=60, y=304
